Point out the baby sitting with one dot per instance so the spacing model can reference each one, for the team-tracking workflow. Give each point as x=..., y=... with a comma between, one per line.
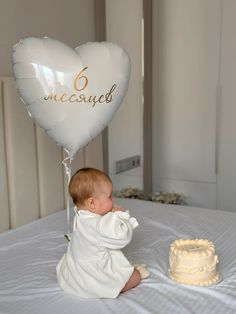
x=94, y=266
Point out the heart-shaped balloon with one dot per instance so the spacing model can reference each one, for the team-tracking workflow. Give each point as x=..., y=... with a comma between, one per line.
x=71, y=93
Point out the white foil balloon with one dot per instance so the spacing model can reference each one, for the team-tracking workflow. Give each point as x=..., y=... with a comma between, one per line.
x=71, y=93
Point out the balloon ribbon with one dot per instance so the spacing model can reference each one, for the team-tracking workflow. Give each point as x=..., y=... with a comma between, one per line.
x=67, y=167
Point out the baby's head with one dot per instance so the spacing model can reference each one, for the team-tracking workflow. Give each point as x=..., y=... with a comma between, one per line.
x=91, y=189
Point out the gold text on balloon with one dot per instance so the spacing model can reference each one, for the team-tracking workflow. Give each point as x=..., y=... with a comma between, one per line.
x=79, y=84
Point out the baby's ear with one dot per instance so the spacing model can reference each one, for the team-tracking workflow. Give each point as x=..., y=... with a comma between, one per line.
x=90, y=203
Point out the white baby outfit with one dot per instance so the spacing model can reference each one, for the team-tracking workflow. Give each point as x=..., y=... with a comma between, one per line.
x=94, y=266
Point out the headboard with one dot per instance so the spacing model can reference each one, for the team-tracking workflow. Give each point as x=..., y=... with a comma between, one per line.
x=32, y=183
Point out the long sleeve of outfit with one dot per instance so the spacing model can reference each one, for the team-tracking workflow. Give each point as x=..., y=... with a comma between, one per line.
x=94, y=266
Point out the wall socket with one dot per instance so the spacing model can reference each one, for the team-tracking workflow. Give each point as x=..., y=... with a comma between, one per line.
x=127, y=163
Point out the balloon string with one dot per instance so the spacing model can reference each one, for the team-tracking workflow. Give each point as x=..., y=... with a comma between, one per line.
x=67, y=167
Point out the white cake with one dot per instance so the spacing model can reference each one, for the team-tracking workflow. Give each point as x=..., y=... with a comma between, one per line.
x=193, y=262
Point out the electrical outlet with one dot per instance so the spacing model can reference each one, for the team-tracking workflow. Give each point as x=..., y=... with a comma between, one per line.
x=127, y=163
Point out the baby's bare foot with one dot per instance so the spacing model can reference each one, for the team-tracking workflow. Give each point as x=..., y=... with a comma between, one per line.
x=142, y=268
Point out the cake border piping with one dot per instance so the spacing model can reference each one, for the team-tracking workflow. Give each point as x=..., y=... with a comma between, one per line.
x=218, y=278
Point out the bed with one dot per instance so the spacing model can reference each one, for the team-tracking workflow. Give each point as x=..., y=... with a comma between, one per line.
x=29, y=254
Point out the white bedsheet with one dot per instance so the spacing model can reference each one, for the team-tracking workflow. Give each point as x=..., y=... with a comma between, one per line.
x=29, y=254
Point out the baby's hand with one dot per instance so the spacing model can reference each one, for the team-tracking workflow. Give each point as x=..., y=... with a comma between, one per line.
x=117, y=208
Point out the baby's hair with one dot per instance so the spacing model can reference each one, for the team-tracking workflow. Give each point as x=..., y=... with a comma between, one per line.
x=84, y=183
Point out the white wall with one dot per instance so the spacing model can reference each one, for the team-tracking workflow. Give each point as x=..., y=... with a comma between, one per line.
x=227, y=128
x=70, y=21
x=186, y=42
x=124, y=27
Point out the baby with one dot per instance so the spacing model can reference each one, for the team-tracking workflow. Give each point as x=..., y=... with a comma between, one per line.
x=94, y=266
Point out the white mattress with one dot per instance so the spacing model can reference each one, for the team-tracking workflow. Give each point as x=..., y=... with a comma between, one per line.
x=29, y=254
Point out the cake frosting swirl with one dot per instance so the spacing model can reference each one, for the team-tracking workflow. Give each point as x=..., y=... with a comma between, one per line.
x=193, y=261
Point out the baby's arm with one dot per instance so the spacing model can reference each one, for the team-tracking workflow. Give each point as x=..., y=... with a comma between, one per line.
x=115, y=229
x=132, y=220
